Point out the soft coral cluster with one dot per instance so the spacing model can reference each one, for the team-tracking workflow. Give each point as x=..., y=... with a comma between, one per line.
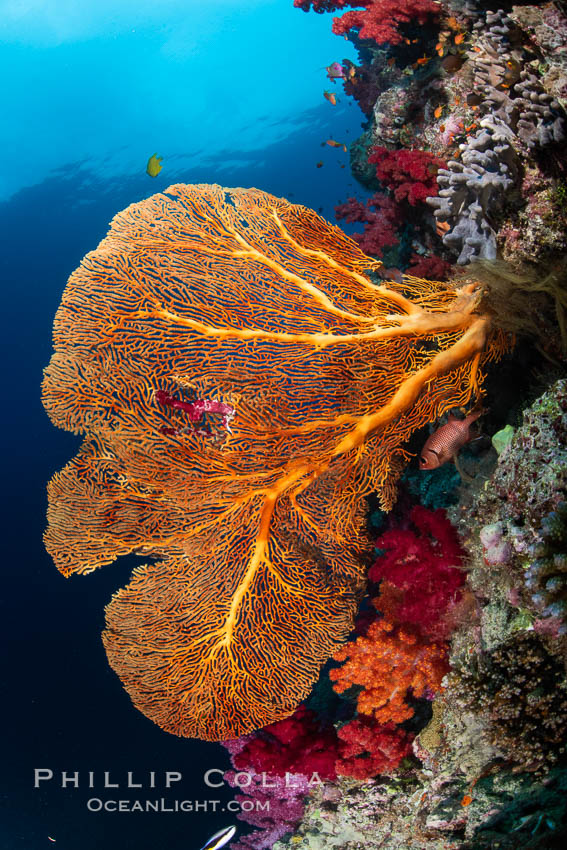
x=390, y=663
x=368, y=748
x=419, y=574
x=390, y=218
x=272, y=803
x=410, y=174
x=293, y=745
x=382, y=218
x=381, y=20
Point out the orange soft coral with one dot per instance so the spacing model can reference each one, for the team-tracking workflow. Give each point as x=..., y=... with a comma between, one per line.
x=233, y=301
x=388, y=662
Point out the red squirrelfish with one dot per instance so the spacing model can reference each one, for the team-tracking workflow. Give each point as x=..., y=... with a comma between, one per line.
x=445, y=442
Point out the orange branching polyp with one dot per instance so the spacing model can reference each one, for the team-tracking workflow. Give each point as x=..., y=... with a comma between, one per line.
x=238, y=296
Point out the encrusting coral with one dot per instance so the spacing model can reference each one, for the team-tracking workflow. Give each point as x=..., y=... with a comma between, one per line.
x=238, y=297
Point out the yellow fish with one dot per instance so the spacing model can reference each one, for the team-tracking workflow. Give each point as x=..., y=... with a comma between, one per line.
x=154, y=166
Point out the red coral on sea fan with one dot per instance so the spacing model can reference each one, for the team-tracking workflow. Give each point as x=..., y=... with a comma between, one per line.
x=380, y=20
x=410, y=174
x=368, y=749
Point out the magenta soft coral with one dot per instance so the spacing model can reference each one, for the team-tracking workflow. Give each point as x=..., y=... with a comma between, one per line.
x=381, y=20
x=292, y=745
x=419, y=571
x=410, y=174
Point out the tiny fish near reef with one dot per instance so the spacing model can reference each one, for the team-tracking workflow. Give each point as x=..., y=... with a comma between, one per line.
x=205, y=301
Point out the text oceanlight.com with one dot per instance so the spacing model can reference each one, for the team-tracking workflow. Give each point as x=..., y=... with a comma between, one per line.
x=107, y=780
x=95, y=804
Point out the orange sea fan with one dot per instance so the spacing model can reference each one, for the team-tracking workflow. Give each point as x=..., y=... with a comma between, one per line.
x=237, y=296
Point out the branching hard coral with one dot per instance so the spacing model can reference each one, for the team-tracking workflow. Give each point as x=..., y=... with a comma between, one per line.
x=515, y=114
x=546, y=577
x=521, y=688
x=387, y=663
x=238, y=297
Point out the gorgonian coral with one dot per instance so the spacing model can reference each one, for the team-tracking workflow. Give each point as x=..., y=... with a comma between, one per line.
x=268, y=313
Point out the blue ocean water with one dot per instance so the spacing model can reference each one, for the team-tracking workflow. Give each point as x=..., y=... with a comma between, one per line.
x=225, y=92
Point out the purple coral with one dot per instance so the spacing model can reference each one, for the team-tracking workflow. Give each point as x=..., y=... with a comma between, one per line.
x=274, y=804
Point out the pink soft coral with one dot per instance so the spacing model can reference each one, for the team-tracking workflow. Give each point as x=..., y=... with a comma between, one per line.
x=272, y=803
x=380, y=20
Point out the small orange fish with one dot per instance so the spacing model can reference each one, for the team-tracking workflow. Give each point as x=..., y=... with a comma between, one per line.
x=319, y=164
x=471, y=127
x=442, y=227
x=459, y=38
x=345, y=148
x=333, y=144
x=457, y=101
x=423, y=61
x=445, y=442
x=467, y=800
x=331, y=97
x=438, y=112
x=439, y=48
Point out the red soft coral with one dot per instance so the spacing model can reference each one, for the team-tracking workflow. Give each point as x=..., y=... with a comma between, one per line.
x=292, y=745
x=388, y=662
x=429, y=267
x=381, y=226
x=419, y=571
x=368, y=749
x=380, y=20
x=410, y=174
